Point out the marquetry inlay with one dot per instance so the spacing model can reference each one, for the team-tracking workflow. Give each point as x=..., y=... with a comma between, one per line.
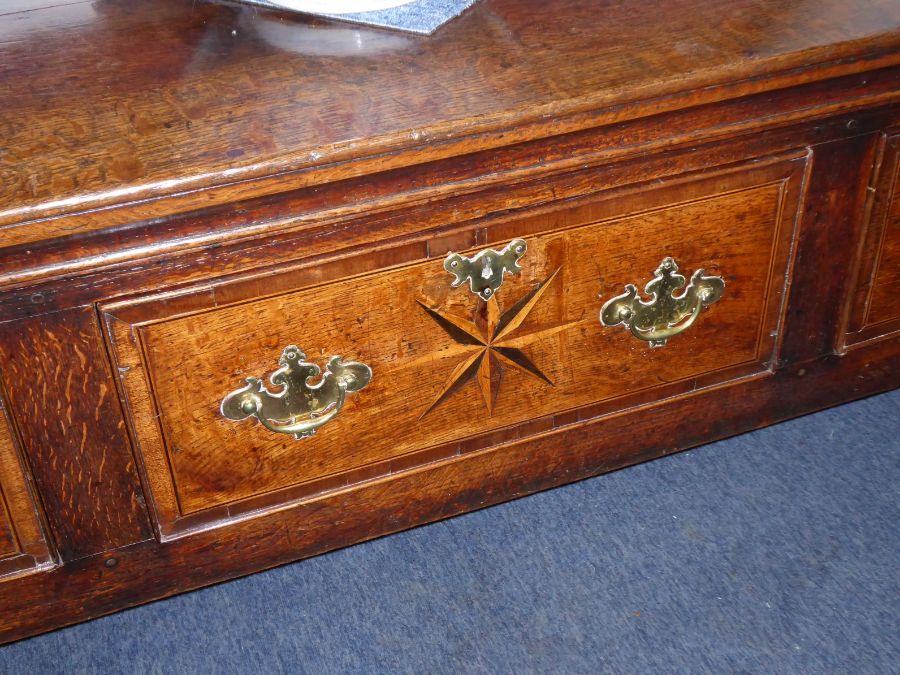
x=494, y=345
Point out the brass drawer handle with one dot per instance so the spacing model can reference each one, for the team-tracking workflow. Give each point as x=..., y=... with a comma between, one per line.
x=300, y=407
x=484, y=271
x=666, y=314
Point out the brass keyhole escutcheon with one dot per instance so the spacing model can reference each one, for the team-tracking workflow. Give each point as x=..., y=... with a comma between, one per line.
x=484, y=271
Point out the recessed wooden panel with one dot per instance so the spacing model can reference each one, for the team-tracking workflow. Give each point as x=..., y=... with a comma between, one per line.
x=875, y=305
x=885, y=305
x=23, y=547
x=180, y=354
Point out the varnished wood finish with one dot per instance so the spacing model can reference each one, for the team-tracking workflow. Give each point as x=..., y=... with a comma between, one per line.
x=573, y=449
x=179, y=354
x=834, y=216
x=23, y=545
x=64, y=399
x=217, y=95
x=327, y=221
x=238, y=181
x=875, y=309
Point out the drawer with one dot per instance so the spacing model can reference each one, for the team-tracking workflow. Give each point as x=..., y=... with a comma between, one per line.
x=23, y=545
x=428, y=370
x=875, y=306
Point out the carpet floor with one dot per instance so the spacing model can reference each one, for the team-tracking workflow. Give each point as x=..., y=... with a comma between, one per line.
x=773, y=552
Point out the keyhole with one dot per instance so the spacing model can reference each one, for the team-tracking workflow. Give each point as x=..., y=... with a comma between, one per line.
x=487, y=272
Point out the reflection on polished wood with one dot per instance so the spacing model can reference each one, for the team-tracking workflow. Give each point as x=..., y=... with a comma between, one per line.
x=208, y=94
x=188, y=187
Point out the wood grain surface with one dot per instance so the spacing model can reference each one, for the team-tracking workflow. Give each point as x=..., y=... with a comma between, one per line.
x=127, y=101
x=828, y=246
x=187, y=187
x=255, y=233
x=884, y=305
x=63, y=398
x=737, y=224
x=106, y=583
x=23, y=545
x=877, y=305
x=873, y=310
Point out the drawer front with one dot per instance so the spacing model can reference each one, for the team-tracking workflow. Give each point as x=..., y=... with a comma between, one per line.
x=23, y=546
x=875, y=306
x=451, y=372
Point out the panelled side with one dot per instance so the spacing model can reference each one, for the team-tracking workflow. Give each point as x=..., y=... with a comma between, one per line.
x=874, y=311
x=23, y=544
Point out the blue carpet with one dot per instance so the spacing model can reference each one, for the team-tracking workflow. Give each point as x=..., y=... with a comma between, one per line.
x=772, y=552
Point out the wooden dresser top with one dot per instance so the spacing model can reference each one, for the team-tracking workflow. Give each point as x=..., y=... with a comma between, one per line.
x=128, y=101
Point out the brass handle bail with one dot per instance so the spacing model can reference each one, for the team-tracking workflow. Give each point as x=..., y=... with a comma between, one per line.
x=300, y=408
x=666, y=314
